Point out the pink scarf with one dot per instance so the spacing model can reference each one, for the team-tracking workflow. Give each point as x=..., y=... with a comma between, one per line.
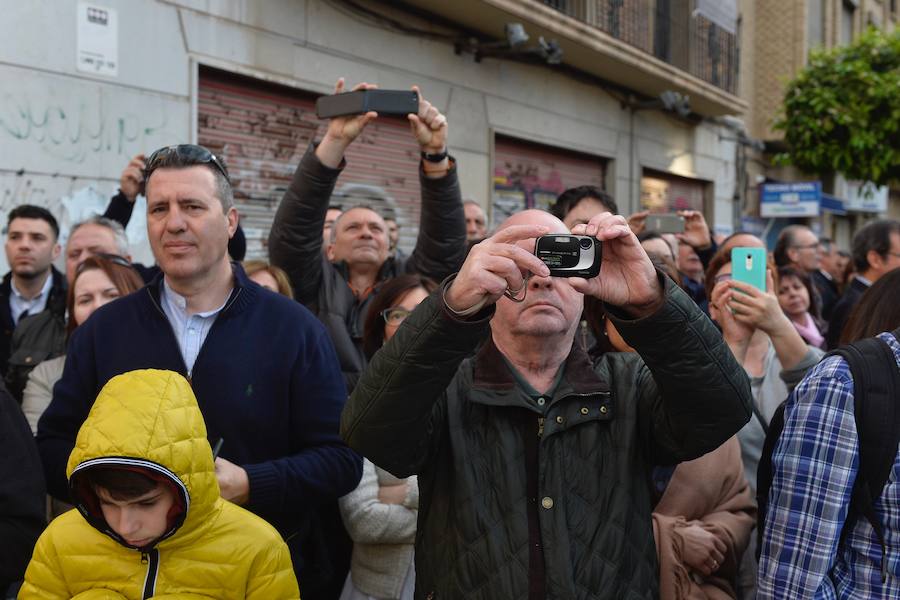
x=808, y=331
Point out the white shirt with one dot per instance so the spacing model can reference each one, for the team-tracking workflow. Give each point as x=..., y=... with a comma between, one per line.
x=18, y=303
x=190, y=330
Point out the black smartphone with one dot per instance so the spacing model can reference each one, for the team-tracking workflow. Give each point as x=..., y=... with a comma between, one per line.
x=384, y=102
x=568, y=255
x=665, y=223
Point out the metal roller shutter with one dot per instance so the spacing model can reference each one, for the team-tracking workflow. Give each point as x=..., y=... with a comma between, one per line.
x=261, y=131
x=529, y=175
x=664, y=192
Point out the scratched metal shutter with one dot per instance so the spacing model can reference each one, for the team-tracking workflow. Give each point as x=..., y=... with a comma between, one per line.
x=530, y=175
x=664, y=192
x=261, y=131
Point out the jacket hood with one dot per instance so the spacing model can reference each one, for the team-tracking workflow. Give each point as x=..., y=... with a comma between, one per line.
x=148, y=421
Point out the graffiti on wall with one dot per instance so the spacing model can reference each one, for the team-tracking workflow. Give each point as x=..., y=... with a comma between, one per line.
x=520, y=185
x=75, y=129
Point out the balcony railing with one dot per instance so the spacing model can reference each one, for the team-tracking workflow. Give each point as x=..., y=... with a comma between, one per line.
x=670, y=30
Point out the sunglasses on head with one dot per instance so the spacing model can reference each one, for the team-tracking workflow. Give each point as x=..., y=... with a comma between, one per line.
x=113, y=258
x=188, y=154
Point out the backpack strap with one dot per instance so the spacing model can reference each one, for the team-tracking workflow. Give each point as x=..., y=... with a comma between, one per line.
x=876, y=380
x=764, y=470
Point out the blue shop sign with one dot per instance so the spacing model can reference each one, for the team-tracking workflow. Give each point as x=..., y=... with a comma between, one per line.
x=797, y=199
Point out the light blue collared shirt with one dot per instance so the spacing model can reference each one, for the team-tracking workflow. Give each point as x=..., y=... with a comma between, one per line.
x=19, y=303
x=190, y=330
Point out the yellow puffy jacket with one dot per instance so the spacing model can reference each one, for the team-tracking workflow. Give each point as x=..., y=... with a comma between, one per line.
x=215, y=549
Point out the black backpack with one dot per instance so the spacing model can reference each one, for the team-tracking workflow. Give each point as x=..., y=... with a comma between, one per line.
x=876, y=405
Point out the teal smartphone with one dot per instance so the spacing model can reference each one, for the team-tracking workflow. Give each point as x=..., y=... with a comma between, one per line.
x=749, y=266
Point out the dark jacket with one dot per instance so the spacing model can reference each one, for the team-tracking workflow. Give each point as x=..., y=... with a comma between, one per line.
x=295, y=245
x=267, y=382
x=828, y=293
x=523, y=500
x=22, y=494
x=841, y=312
x=36, y=338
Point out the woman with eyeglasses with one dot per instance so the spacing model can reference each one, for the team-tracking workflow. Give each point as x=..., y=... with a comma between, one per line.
x=770, y=349
x=99, y=279
x=380, y=514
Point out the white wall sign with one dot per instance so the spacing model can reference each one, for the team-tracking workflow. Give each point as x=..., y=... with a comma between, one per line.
x=98, y=40
x=867, y=197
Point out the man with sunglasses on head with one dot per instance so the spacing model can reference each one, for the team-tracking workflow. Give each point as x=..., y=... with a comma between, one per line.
x=121, y=206
x=340, y=285
x=262, y=367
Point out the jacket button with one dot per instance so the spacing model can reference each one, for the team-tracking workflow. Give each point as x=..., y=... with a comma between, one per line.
x=541, y=401
x=603, y=409
x=27, y=360
x=584, y=410
x=559, y=420
x=547, y=502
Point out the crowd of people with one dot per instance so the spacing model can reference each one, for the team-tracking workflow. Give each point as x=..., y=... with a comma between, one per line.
x=348, y=421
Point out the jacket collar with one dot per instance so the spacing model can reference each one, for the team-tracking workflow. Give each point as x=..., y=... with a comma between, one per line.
x=242, y=296
x=387, y=270
x=56, y=300
x=490, y=372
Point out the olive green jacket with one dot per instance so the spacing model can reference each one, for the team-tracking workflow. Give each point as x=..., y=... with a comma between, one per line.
x=542, y=498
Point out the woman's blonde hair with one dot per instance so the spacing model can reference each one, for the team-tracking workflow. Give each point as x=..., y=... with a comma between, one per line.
x=281, y=278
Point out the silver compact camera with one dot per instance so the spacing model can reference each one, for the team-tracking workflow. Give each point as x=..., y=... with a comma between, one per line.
x=569, y=255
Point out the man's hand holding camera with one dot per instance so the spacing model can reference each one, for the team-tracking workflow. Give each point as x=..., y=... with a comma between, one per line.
x=494, y=266
x=627, y=277
x=502, y=263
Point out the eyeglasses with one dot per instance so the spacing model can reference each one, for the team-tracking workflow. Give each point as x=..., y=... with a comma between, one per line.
x=186, y=153
x=806, y=246
x=395, y=315
x=113, y=258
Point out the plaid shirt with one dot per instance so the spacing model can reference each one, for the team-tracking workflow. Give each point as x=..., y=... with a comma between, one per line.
x=814, y=467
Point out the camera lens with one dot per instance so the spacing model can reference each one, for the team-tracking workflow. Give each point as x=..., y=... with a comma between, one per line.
x=586, y=243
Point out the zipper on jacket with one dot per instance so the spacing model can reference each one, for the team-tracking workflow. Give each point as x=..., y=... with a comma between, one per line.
x=540, y=426
x=151, y=559
x=189, y=374
x=228, y=305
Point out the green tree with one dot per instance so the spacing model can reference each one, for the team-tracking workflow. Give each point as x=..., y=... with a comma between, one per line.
x=842, y=112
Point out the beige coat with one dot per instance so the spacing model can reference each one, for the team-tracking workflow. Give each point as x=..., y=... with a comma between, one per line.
x=39, y=389
x=712, y=492
x=383, y=534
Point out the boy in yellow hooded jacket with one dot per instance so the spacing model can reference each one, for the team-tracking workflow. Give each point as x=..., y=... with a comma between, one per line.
x=150, y=521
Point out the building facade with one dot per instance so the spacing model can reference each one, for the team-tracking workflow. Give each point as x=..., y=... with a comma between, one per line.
x=88, y=84
x=777, y=37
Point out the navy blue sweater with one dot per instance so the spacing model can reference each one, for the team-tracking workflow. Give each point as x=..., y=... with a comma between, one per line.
x=267, y=380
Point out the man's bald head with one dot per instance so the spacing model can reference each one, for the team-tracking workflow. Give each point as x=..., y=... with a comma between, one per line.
x=534, y=216
x=551, y=307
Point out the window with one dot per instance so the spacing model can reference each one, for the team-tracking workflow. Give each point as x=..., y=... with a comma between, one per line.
x=814, y=24
x=848, y=11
